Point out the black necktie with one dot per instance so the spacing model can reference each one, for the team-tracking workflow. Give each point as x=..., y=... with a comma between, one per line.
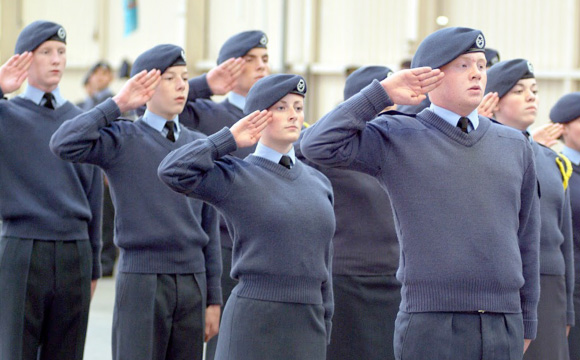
x=170, y=131
x=463, y=123
x=285, y=161
x=49, y=103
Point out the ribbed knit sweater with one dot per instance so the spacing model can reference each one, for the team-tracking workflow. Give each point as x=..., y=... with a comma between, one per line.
x=556, y=248
x=365, y=241
x=157, y=230
x=41, y=196
x=466, y=205
x=279, y=252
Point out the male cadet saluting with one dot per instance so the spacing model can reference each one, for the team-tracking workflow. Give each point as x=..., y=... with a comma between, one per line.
x=170, y=262
x=249, y=50
x=50, y=209
x=464, y=196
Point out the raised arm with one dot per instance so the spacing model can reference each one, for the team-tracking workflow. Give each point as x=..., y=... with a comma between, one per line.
x=14, y=72
x=342, y=137
x=218, y=81
x=488, y=105
x=548, y=134
x=194, y=169
x=90, y=136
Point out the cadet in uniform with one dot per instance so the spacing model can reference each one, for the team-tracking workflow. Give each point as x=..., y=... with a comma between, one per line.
x=96, y=83
x=515, y=85
x=50, y=209
x=170, y=261
x=468, y=224
x=366, y=255
x=567, y=113
x=209, y=117
x=282, y=306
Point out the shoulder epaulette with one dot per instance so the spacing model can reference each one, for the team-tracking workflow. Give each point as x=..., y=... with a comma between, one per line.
x=395, y=112
x=565, y=168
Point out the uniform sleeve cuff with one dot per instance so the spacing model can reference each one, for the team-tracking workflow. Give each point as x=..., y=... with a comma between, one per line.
x=224, y=142
x=199, y=88
x=110, y=110
x=214, y=296
x=530, y=329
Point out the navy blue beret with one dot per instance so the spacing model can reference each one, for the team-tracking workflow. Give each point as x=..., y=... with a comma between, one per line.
x=270, y=89
x=159, y=57
x=566, y=109
x=362, y=77
x=239, y=44
x=33, y=35
x=100, y=64
x=504, y=75
x=491, y=57
x=445, y=45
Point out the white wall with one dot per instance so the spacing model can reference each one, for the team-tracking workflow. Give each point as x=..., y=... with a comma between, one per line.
x=318, y=38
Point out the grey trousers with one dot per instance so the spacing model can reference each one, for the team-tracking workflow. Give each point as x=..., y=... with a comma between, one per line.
x=159, y=316
x=453, y=336
x=45, y=289
x=227, y=286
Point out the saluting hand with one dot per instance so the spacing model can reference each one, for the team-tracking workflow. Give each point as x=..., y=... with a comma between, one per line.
x=137, y=90
x=488, y=105
x=408, y=87
x=247, y=131
x=548, y=134
x=14, y=72
x=222, y=78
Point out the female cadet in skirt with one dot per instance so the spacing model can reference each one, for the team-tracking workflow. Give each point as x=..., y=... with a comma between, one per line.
x=283, y=304
x=514, y=83
x=566, y=113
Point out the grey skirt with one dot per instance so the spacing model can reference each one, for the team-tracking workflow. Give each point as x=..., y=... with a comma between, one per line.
x=264, y=330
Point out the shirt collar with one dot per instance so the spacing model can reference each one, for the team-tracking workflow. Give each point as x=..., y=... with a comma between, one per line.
x=572, y=155
x=271, y=154
x=452, y=118
x=237, y=100
x=35, y=95
x=158, y=122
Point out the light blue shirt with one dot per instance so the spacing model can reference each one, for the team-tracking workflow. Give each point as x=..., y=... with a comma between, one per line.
x=572, y=155
x=452, y=118
x=36, y=96
x=158, y=123
x=271, y=154
x=237, y=100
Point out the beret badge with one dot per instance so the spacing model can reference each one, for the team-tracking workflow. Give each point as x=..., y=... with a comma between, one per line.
x=301, y=85
x=61, y=33
x=480, y=41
